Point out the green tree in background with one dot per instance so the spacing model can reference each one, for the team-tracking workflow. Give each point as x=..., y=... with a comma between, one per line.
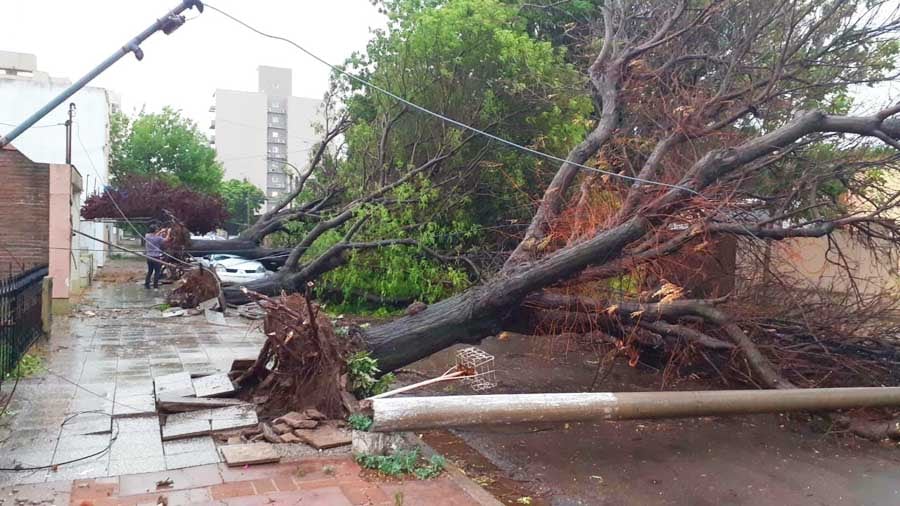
x=243, y=200
x=163, y=145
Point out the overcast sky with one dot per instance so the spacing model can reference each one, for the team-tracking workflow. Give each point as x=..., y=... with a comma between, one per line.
x=69, y=37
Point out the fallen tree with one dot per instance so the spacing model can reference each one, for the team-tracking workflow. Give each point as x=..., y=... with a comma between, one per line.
x=701, y=131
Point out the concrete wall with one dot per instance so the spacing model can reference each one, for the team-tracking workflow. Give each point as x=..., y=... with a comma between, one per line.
x=64, y=195
x=808, y=257
x=46, y=141
x=24, y=206
x=240, y=133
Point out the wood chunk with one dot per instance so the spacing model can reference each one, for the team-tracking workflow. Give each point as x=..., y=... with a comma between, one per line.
x=249, y=454
x=235, y=440
x=323, y=437
x=214, y=385
x=313, y=414
x=258, y=438
x=176, y=404
x=282, y=428
x=289, y=438
x=269, y=434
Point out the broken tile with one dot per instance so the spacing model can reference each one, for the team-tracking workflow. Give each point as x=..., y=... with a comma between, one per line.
x=296, y=420
x=174, y=384
x=323, y=437
x=213, y=385
x=185, y=428
x=246, y=454
x=289, y=438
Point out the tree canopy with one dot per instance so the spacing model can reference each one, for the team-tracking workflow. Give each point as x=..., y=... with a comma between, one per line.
x=153, y=198
x=163, y=145
x=243, y=200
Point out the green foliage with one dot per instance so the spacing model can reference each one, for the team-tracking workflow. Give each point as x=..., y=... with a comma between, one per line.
x=404, y=462
x=363, y=370
x=359, y=421
x=243, y=200
x=163, y=145
x=28, y=365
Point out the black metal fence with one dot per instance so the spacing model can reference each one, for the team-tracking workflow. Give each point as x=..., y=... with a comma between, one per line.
x=20, y=316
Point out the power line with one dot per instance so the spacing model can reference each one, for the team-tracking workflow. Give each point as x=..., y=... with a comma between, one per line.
x=446, y=119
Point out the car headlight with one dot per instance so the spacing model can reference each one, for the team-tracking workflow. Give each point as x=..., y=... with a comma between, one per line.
x=220, y=268
x=261, y=269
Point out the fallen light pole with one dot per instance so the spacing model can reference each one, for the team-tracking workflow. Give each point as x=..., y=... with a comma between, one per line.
x=417, y=413
x=167, y=24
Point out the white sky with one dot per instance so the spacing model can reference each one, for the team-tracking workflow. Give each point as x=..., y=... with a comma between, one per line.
x=183, y=70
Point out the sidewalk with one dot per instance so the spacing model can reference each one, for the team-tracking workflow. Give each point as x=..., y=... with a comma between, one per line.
x=333, y=481
x=94, y=405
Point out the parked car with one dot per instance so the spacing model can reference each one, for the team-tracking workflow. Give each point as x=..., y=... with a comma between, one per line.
x=210, y=261
x=239, y=270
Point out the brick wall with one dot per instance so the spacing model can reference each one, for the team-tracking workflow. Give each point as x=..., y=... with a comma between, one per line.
x=24, y=211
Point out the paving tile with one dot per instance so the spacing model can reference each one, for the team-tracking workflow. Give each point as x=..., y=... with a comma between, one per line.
x=189, y=445
x=326, y=496
x=202, y=476
x=92, y=468
x=138, y=424
x=132, y=465
x=134, y=405
x=174, y=384
x=191, y=459
x=234, y=489
x=254, y=453
x=58, y=492
x=213, y=385
x=184, y=428
x=93, y=490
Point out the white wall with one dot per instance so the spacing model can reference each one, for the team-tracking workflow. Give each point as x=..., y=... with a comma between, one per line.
x=46, y=142
x=241, y=119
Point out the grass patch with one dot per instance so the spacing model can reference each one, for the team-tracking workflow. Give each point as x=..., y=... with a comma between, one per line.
x=404, y=463
x=28, y=365
x=357, y=421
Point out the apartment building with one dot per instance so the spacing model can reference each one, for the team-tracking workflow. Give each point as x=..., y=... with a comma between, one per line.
x=265, y=136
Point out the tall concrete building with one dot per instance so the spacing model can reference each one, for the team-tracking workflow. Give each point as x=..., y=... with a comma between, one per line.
x=265, y=136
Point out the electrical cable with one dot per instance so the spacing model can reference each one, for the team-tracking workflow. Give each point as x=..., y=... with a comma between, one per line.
x=446, y=119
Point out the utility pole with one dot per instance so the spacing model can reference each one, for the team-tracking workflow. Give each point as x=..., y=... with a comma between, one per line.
x=167, y=24
x=69, y=133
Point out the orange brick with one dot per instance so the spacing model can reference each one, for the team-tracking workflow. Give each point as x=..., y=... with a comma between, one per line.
x=264, y=486
x=284, y=483
x=235, y=489
x=360, y=494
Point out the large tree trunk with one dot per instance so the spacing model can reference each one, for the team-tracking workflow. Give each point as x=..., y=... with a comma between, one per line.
x=482, y=310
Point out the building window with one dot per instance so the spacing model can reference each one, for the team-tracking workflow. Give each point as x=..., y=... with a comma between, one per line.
x=274, y=135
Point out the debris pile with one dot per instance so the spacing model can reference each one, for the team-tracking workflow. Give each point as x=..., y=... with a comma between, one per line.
x=196, y=286
x=301, y=364
x=309, y=427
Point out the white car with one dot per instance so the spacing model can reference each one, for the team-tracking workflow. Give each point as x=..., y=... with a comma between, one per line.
x=210, y=261
x=239, y=270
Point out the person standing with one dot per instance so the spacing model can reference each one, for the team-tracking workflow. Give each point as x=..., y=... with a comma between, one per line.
x=154, y=242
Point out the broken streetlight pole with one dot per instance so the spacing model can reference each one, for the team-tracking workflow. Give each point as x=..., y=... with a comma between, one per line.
x=417, y=413
x=167, y=24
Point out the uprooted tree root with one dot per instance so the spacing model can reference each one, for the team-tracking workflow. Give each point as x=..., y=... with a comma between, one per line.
x=301, y=363
x=195, y=286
